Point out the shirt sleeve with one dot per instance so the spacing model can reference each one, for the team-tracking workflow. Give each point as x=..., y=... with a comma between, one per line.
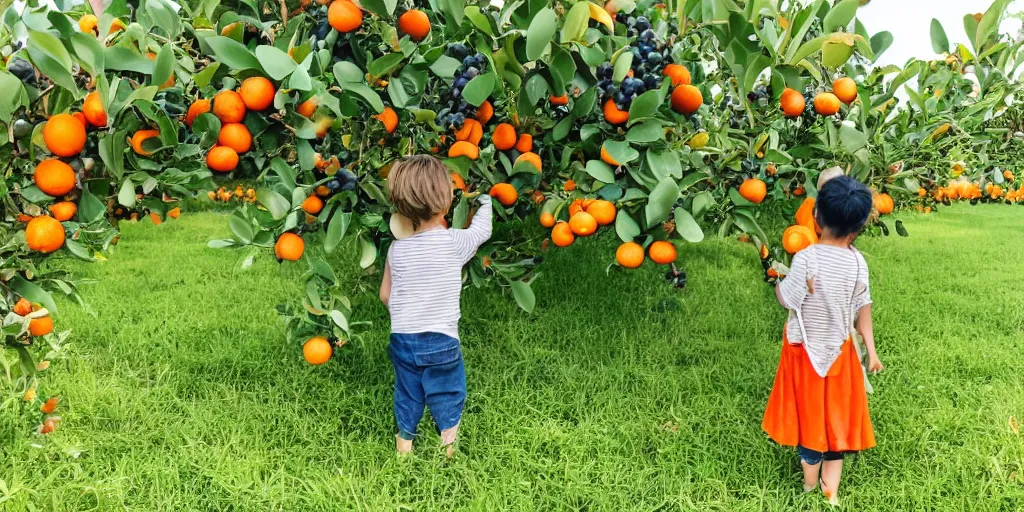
x=468, y=240
x=793, y=289
x=862, y=289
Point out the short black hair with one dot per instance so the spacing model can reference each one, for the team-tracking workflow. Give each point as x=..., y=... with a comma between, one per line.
x=843, y=206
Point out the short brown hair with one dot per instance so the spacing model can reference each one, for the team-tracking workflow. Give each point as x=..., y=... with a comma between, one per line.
x=420, y=188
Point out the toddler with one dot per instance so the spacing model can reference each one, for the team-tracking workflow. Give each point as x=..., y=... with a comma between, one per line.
x=421, y=288
x=818, y=402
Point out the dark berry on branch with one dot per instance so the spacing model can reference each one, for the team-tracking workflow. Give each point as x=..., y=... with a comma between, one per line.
x=22, y=69
x=472, y=72
x=642, y=24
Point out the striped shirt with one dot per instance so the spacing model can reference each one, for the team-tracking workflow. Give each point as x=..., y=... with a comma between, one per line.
x=824, y=320
x=426, y=275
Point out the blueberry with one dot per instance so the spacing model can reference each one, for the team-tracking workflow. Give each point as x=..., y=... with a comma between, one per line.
x=468, y=62
x=638, y=73
x=637, y=54
x=458, y=119
x=22, y=69
x=604, y=70
x=333, y=185
x=620, y=97
x=647, y=35
x=22, y=129
x=456, y=94
x=461, y=82
x=642, y=23
x=349, y=186
x=631, y=21
x=654, y=58
x=651, y=82
x=458, y=50
x=472, y=72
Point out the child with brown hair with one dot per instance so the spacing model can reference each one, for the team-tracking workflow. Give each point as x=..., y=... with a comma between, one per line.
x=819, y=402
x=421, y=288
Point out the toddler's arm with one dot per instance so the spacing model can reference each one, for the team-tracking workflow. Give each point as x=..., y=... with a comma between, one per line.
x=468, y=240
x=385, y=284
x=867, y=331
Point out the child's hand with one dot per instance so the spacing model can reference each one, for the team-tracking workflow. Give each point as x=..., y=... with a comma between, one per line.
x=874, y=364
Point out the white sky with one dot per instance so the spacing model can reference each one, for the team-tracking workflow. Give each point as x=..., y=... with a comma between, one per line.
x=910, y=24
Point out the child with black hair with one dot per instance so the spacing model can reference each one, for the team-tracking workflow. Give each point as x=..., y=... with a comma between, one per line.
x=818, y=402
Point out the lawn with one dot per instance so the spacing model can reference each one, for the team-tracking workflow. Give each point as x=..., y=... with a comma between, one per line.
x=618, y=393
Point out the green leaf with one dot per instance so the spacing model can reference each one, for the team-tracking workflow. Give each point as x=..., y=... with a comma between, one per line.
x=621, y=151
x=232, y=53
x=367, y=94
x=78, y=250
x=840, y=15
x=584, y=105
x=940, y=43
x=837, y=49
x=163, y=66
x=445, y=66
x=523, y=293
x=50, y=45
x=90, y=53
x=336, y=230
x=367, y=252
x=664, y=164
x=383, y=66
x=989, y=23
x=574, y=25
x=881, y=42
x=52, y=59
x=648, y=131
x=807, y=49
x=851, y=138
x=276, y=204
x=687, y=227
x=540, y=33
x=622, y=66
x=347, y=72
x=625, y=227
x=33, y=293
x=14, y=98
x=644, y=106
x=299, y=80
x=478, y=89
x=119, y=58
x=206, y=126
x=480, y=20
x=241, y=229
x=126, y=196
x=339, y=319
x=660, y=202
x=275, y=62
x=600, y=171
x=90, y=208
x=564, y=126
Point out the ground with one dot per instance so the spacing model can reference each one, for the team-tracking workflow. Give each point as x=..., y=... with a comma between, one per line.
x=618, y=393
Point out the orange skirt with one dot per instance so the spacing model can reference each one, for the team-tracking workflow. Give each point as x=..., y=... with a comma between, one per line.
x=820, y=413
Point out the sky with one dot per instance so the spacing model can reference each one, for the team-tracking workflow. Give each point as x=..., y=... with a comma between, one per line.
x=910, y=24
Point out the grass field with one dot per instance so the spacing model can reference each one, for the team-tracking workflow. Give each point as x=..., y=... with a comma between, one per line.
x=618, y=393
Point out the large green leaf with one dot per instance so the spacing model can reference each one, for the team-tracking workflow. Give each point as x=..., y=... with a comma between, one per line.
x=621, y=66
x=664, y=164
x=648, y=131
x=276, y=204
x=644, y=106
x=163, y=66
x=14, y=97
x=385, y=65
x=881, y=42
x=478, y=89
x=33, y=293
x=540, y=33
x=989, y=23
x=336, y=230
x=600, y=171
x=659, y=203
x=232, y=53
x=523, y=294
x=241, y=229
x=445, y=66
x=840, y=15
x=126, y=196
x=806, y=49
x=687, y=227
x=625, y=227
x=621, y=151
x=837, y=49
x=851, y=138
x=940, y=43
x=275, y=62
x=574, y=25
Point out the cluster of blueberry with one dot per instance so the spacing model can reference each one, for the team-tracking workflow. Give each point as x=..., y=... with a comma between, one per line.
x=649, y=60
x=459, y=109
x=343, y=178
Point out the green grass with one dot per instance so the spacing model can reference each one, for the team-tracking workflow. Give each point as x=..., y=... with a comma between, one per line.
x=617, y=394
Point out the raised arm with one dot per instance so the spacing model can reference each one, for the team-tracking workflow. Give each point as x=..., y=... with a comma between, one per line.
x=468, y=240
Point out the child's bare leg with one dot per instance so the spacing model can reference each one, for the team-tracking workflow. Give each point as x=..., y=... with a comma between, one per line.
x=403, y=445
x=448, y=436
x=811, y=474
x=831, y=473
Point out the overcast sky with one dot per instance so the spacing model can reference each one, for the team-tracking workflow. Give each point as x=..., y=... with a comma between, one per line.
x=910, y=24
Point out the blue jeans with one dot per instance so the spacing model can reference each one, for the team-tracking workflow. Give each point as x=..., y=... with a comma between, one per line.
x=428, y=373
x=814, y=457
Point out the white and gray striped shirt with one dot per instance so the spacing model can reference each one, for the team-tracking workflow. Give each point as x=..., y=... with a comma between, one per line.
x=426, y=275
x=823, y=320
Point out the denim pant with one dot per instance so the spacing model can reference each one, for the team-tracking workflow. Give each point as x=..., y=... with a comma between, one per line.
x=428, y=373
x=813, y=457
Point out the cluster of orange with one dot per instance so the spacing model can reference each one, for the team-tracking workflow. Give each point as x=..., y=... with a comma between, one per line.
x=685, y=99
x=255, y=94
x=39, y=326
x=224, y=195
x=969, y=191
x=844, y=90
x=806, y=230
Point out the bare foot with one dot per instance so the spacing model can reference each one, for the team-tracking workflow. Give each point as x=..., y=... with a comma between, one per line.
x=448, y=440
x=403, y=446
x=811, y=474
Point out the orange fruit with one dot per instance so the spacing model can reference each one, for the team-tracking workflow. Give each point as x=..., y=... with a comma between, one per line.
x=49, y=406
x=884, y=204
x=504, y=137
x=613, y=115
x=116, y=25
x=662, y=252
x=921, y=192
x=80, y=117
x=317, y=350
x=415, y=24
x=289, y=247
x=547, y=220
x=558, y=100
x=525, y=143
x=505, y=193
x=1008, y=175
x=484, y=112
x=63, y=210
x=48, y=426
x=471, y=132
x=845, y=89
x=390, y=120
x=797, y=238
x=41, y=327
x=229, y=107
x=562, y=235
x=87, y=24
x=222, y=159
x=235, y=136
x=139, y=137
x=464, y=148
x=458, y=182
x=686, y=99
x=569, y=185
x=583, y=224
x=602, y=211
x=678, y=74
x=93, y=111
x=155, y=217
x=792, y=103
x=22, y=307
x=575, y=207
x=606, y=157
x=630, y=255
x=826, y=104
x=64, y=135
x=753, y=190
x=174, y=213
x=805, y=215
x=344, y=16
x=257, y=93
x=532, y=158
x=307, y=108
x=44, y=234
x=312, y=205
x=195, y=109
x=54, y=178
x=323, y=191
